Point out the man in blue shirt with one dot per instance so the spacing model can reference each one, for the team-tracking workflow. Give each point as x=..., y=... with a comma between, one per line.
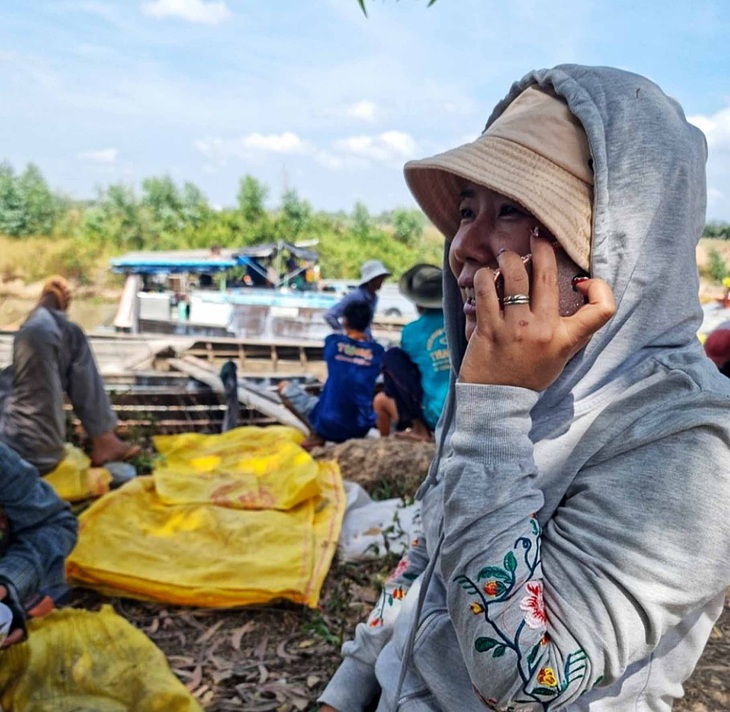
x=416, y=375
x=372, y=275
x=344, y=409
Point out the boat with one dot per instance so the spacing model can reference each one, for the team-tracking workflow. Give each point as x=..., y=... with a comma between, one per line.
x=252, y=292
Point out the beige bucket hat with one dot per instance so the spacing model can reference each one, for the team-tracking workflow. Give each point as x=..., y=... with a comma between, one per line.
x=536, y=153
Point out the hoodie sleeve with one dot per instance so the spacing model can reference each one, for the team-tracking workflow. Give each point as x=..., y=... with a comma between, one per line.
x=42, y=529
x=544, y=616
x=354, y=685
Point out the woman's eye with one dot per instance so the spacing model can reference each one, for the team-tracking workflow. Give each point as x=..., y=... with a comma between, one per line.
x=507, y=210
x=466, y=213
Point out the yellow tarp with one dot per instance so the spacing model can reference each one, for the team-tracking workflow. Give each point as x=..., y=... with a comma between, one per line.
x=75, y=480
x=78, y=660
x=132, y=543
x=245, y=468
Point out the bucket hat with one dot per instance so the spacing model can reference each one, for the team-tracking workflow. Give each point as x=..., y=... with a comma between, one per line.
x=422, y=285
x=372, y=269
x=536, y=152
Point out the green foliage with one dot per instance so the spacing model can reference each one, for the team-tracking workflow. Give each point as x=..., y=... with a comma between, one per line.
x=408, y=226
x=251, y=198
x=716, y=266
x=167, y=216
x=361, y=3
x=27, y=206
x=720, y=230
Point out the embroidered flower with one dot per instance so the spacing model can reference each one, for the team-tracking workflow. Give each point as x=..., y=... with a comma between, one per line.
x=491, y=588
x=545, y=639
x=534, y=606
x=400, y=569
x=375, y=622
x=415, y=542
x=399, y=593
x=546, y=677
x=476, y=608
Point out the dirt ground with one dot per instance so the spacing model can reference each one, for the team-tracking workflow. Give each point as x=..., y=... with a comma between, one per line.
x=280, y=657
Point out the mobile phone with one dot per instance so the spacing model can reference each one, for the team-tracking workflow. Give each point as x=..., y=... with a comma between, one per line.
x=570, y=298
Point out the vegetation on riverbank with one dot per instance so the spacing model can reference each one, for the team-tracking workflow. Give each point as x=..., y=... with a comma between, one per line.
x=43, y=232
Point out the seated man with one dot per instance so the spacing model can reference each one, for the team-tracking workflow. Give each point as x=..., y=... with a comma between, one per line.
x=416, y=375
x=37, y=532
x=51, y=356
x=344, y=408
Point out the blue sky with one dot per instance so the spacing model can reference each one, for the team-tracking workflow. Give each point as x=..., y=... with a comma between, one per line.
x=310, y=94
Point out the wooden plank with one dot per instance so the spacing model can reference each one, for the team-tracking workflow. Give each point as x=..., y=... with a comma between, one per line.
x=200, y=371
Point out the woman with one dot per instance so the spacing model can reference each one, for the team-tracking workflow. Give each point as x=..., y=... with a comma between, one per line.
x=576, y=538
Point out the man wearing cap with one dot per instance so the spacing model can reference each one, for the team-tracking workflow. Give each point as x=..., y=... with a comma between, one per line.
x=416, y=375
x=372, y=275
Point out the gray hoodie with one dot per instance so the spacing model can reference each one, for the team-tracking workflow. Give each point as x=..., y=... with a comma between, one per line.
x=576, y=542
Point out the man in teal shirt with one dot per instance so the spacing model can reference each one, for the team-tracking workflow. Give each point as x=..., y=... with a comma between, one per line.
x=416, y=375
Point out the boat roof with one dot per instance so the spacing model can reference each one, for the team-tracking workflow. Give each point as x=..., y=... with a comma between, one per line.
x=174, y=261
x=202, y=261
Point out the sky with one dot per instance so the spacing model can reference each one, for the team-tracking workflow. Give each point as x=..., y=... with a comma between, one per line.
x=311, y=94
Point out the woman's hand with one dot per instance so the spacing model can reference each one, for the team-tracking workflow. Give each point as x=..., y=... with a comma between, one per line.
x=14, y=636
x=528, y=345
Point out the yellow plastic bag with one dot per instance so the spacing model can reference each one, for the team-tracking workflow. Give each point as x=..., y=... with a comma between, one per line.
x=77, y=660
x=73, y=478
x=245, y=468
x=133, y=544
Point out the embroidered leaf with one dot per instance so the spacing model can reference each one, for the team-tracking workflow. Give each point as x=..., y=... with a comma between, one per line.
x=493, y=572
x=390, y=600
x=484, y=644
x=598, y=680
x=466, y=584
x=410, y=576
x=535, y=526
x=544, y=691
x=533, y=654
x=499, y=651
x=510, y=563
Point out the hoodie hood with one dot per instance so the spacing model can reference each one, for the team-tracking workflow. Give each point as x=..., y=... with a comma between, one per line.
x=648, y=214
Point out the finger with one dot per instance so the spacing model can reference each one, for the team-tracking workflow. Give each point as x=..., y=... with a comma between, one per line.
x=516, y=283
x=593, y=315
x=544, y=297
x=487, y=302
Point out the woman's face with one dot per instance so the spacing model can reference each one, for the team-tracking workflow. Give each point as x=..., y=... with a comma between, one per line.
x=490, y=224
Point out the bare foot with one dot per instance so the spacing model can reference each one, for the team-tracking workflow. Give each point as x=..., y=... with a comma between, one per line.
x=108, y=448
x=311, y=442
x=418, y=432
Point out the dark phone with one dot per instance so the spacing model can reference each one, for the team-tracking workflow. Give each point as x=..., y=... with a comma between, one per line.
x=570, y=298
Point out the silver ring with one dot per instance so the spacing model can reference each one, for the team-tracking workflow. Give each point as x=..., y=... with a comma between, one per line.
x=516, y=299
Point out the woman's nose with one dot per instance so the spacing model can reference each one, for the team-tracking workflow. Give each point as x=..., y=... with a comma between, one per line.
x=472, y=244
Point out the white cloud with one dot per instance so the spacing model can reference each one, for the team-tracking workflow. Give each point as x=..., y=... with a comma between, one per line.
x=716, y=128
x=365, y=110
x=221, y=149
x=199, y=11
x=105, y=156
x=388, y=147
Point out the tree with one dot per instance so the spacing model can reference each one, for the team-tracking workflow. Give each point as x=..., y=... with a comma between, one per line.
x=251, y=197
x=116, y=218
x=37, y=201
x=195, y=210
x=361, y=3
x=161, y=198
x=11, y=213
x=408, y=226
x=362, y=224
x=716, y=266
x=295, y=216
